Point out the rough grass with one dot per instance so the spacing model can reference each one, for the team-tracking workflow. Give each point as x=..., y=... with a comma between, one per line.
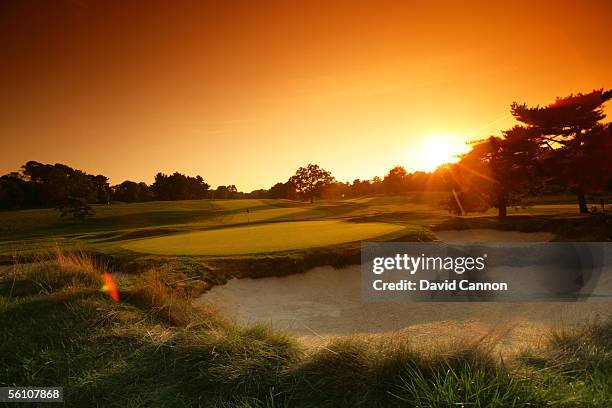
x=578, y=363
x=78, y=271
x=153, y=293
x=588, y=228
x=154, y=349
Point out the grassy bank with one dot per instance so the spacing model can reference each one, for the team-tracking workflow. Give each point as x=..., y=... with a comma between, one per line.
x=588, y=228
x=153, y=349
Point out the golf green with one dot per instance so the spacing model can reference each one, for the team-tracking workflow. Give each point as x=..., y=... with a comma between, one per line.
x=271, y=237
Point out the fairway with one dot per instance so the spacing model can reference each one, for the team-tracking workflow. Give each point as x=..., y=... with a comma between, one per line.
x=272, y=237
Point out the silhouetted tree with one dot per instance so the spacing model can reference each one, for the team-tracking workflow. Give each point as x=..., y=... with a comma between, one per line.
x=467, y=199
x=310, y=180
x=417, y=181
x=77, y=207
x=225, y=192
x=396, y=180
x=376, y=185
x=51, y=181
x=495, y=173
x=102, y=193
x=232, y=191
x=259, y=193
x=13, y=190
x=438, y=180
x=335, y=190
x=283, y=190
x=360, y=188
x=131, y=192
x=177, y=186
x=47, y=185
x=563, y=127
x=591, y=166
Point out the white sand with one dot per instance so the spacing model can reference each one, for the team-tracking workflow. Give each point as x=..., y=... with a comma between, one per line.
x=326, y=302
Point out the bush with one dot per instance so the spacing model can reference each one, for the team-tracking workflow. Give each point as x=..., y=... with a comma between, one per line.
x=77, y=207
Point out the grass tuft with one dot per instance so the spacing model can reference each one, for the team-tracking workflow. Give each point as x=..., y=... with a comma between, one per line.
x=51, y=273
x=151, y=292
x=580, y=352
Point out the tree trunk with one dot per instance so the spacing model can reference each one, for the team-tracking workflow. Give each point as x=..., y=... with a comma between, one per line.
x=582, y=204
x=501, y=207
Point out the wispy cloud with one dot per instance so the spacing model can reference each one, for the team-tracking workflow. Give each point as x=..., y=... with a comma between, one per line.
x=380, y=82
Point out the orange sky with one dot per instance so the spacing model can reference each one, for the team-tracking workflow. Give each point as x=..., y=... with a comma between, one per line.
x=244, y=93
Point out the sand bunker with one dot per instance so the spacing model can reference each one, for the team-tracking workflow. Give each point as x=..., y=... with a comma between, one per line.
x=326, y=302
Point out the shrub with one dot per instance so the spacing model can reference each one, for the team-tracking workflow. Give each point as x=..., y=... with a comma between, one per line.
x=77, y=207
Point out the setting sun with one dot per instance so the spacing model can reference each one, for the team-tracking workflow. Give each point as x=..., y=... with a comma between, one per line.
x=435, y=151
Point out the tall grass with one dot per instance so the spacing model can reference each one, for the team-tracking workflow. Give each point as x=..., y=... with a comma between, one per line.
x=54, y=271
x=582, y=350
x=154, y=294
x=155, y=349
x=577, y=365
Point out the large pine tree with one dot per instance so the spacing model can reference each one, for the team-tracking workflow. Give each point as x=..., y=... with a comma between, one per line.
x=566, y=128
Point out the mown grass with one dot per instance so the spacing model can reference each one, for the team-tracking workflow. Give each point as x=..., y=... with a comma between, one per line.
x=271, y=237
x=154, y=349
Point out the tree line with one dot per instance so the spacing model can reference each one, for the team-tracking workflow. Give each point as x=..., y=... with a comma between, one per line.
x=559, y=148
x=40, y=185
x=312, y=182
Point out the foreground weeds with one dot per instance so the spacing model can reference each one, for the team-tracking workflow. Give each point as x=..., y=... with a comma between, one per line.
x=154, y=349
x=51, y=273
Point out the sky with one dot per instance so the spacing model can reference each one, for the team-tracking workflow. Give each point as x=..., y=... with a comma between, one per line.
x=246, y=92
